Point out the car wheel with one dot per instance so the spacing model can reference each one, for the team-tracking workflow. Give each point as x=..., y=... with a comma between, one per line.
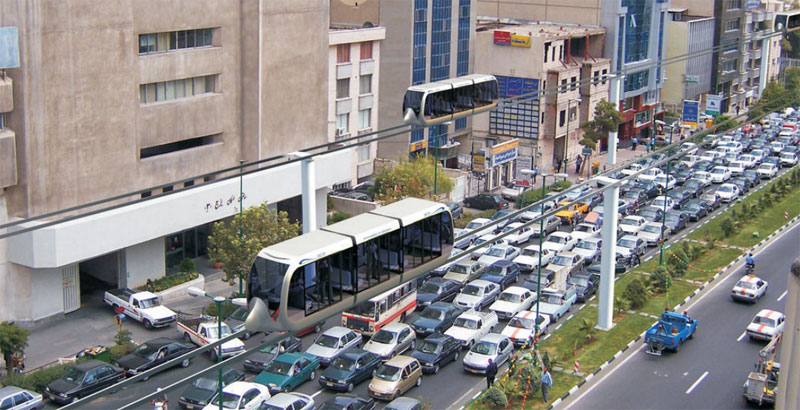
x=677, y=348
x=317, y=328
x=413, y=345
x=147, y=324
x=436, y=369
x=312, y=376
x=350, y=387
x=246, y=336
x=403, y=317
x=187, y=338
x=213, y=355
x=455, y=358
x=185, y=363
x=419, y=381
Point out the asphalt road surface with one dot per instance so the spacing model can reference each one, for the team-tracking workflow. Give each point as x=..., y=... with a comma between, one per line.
x=709, y=370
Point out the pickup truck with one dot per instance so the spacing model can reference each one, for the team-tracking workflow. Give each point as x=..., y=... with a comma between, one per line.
x=556, y=303
x=669, y=332
x=142, y=306
x=471, y=326
x=203, y=330
x=573, y=213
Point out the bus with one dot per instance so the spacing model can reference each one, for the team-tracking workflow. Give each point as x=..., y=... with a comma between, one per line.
x=388, y=307
x=294, y=284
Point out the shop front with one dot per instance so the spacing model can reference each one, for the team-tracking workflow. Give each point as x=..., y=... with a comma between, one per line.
x=503, y=160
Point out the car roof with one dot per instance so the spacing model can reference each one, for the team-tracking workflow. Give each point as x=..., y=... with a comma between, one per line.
x=481, y=283
x=400, y=361
x=161, y=341
x=467, y=262
x=769, y=313
x=89, y=365
x=493, y=338
x=354, y=353
x=338, y=331
x=291, y=357
x=403, y=403
x=481, y=220
x=285, y=399
x=517, y=290
x=241, y=387
x=395, y=327
x=749, y=278
x=502, y=263
x=631, y=237
x=438, y=338
x=9, y=390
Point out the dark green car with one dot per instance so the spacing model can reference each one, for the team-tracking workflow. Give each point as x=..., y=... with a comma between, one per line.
x=204, y=388
x=349, y=369
x=288, y=371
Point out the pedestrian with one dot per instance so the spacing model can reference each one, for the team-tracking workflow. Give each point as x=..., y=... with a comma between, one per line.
x=325, y=291
x=547, y=383
x=647, y=147
x=491, y=372
x=578, y=164
x=558, y=165
x=535, y=173
x=374, y=262
x=635, y=259
x=149, y=285
x=634, y=141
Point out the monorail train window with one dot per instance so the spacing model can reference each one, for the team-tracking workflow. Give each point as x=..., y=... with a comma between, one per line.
x=343, y=270
x=266, y=280
x=413, y=100
x=464, y=99
x=485, y=93
x=423, y=240
x=441, y=103
x=391, y=252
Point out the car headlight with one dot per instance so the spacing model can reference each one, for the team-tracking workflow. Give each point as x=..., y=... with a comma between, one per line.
x=342, y=381
x=428, y=364
x=62, y=394
x=371, y=386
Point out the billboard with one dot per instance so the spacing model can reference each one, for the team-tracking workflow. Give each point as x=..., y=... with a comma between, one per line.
x=752, y=4
x=691, y=111
x=713, y=104
x=9, y=47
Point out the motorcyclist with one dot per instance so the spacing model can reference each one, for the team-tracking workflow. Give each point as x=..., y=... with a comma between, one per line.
x=750, y=262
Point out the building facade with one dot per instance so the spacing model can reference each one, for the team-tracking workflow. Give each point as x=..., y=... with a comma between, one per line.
x=426, y=41
x=689, y=79
x=544, y=72
x=112, y=99
x=635, y=38
x=353, y=78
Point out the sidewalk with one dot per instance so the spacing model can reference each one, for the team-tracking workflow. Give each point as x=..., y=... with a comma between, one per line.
x=624, y=155
x=93, y=324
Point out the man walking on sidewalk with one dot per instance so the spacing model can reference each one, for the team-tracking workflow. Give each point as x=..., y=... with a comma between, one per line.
x=558, y=166
x=578, y=163
x=547, y=383
x=535, y=173
x=491, y=372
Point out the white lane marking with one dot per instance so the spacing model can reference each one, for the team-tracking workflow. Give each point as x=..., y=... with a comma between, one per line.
x=317, y=393
x=610, y=372
x=739, y=339
x=783, y=295
x=697, y=382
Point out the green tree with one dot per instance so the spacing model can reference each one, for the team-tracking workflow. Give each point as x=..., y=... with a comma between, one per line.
x=606, y=119
x=791, y=44
x=724, y=123
x=260, y=227
x=13, y=339
x=413, y=178
x=636, y=294
x=771, y=99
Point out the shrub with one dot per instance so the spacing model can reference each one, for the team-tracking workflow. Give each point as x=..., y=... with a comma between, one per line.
x=169, y=281
x=727, y=226
x=37, y=380
x=495, y=398
x=187, y=265
x=227, y=309
x=659, y=280
x=122, y=345
x=635, y=293
x=337, y=216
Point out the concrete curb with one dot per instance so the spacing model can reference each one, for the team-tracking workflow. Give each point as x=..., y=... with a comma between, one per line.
x=180, y=290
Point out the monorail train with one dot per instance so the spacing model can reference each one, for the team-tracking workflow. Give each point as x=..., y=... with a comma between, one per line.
x=296, y=283
x=787, y=21
x=450, y=99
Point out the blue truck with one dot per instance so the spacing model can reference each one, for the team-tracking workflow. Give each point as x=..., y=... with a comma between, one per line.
x=669, y=332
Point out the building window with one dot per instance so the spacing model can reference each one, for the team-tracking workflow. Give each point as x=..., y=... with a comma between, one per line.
x=440, y=39
x=417, y=135
x=734, y=4
x=637, y=30
x=343, y=123
x=730, y=45
x=366, y=50
x=343, y=53
x=519, y=119
x=564, y=85
x=637, y=80
x=733, y=24
x=461, y=124
x=420, y=41
x=363, y=153
x=642, y=118
x=175, y=40
x=365, y=84
x=574, y=83
x=343, y=88
x=729, y=66
x=462, y=63
x=562, y=118
x=171, y=90
x=605, y=75
x=178, y=146
x=364, y=118
x=2, y=120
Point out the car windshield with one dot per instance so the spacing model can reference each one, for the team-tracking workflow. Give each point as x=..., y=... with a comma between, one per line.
x=510, y=297
x=692, y=207
x=205, y=383
x=626, y=243
x=212, y=331
x=708, y=197
x=429, y=313
x=587, y=245
x=510, y=228
x=673, y=218
x=343, y=363
x=647, y=213
x=652, y=229
x=229, y=400
x=384, y=337
x=629, y=221
x=725, y=188
x=429, y=288
x=278, y=367
x=73, y=375
x=659, y=202
x=474, y=225
x=578, y=280
x=530, y=252
x=552, y=299
x=472, y=290
x=496, y=252
x=484, y=348
x=562, y=261
x=501, y=214
x=327, y=341
x=765, y=166
x=388, y=373
x=520, y=322
x=557, y=239
x=145, y=350
x=239, y=314
x=458, y=269
x=148, y=303
x=764, y=321
x=429, y=347
x=746, y=285
x=496, y=270
x=583, y=228
x=466, y=323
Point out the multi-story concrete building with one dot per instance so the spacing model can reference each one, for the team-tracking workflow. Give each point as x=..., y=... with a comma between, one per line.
x=115, y=98
x=774, y=52
x=688, y=79
x=636, y=34
x=426, y=41
x=528, y=58
x=353, y=78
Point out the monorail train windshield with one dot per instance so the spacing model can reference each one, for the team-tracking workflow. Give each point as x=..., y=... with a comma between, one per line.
x=303, y=276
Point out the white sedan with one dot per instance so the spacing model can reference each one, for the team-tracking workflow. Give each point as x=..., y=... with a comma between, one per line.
x=529, y=258
x=632, y=224
x=477, y=294
x=749, y=160
x=766, y=325
x=522, y=234
x=750, y=288
x=497, y=253
x=728, y=192
x=660, y=201
x=650, y=175
x=788, y=159
x=521, y=327
x=666, y=181
x=585, y=230
x=720, y=174
x=512, y=301
x=767, y=170
x=242, y=395
x=737, y=167
x=703, y=177
x=560, y=241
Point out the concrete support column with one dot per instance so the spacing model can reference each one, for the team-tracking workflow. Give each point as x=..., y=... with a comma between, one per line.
x=309, y=196
x=790, y=345
x=605, y=313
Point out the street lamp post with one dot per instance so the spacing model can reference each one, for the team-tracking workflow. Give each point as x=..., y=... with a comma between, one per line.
x=666, y=190
x=566, y=139
x=241, y=211
x=541, y=235
x=219, y=300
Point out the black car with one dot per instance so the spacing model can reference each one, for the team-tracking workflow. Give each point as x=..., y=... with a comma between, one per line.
x=711, y=199
x=651, y=214
x=635, y=198
x=436, y=290
x=741, y=182
x=436, y=351
x=502, y=272
x=752, y=176
x=82, y=380
x=436, y=318
x=258, y=362
x=485, y=201
x=696, y=209
x=695, y=186
x=702, y=166
x=585, y=285
x=676, y=220
x=455, y=209
x=679, y=196
x=349, y=369
x=347, y=402
x=619, y=268
x=682, y=175
x=649, y=188
x=236, y=321
x=204, y=388
x=151, y=354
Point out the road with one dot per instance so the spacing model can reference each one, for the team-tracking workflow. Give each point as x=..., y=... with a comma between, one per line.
x=710, y=369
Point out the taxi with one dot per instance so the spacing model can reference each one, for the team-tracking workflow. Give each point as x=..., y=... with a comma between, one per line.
x=766, y=325
x=750, y=288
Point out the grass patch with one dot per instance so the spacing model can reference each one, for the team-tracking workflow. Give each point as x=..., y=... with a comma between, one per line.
x=709, y=263
x=562, y=382
x=467, y=217
x=678, y=291
x=612, y=341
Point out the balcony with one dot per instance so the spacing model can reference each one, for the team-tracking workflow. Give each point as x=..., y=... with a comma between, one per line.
x=445, y=151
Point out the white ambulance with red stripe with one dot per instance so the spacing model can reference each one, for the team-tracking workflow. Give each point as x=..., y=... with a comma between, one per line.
x=750, y=288
x=766, y=325
x=521, y=327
